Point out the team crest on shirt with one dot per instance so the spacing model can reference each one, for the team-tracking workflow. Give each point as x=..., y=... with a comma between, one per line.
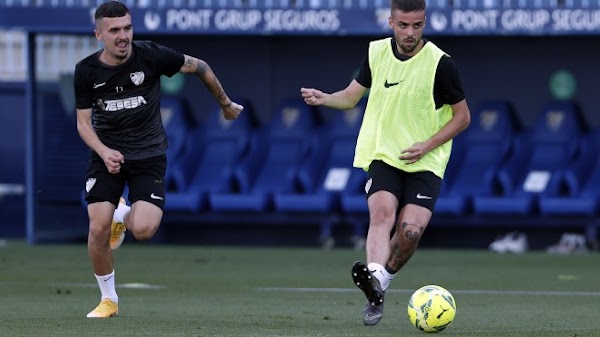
x=137, y=78
x=89, y=184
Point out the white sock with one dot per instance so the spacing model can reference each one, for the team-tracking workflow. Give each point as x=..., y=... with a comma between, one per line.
x=107, y=286
x=381, y=274
x=120, y=212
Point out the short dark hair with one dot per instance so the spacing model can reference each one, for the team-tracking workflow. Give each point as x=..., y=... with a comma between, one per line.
x=111, y=9
x=408, y=5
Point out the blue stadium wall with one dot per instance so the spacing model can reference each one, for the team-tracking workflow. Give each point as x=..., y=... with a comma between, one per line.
x=266, y=69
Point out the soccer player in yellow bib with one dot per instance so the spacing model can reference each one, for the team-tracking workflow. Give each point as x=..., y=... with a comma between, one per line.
x=415, y=108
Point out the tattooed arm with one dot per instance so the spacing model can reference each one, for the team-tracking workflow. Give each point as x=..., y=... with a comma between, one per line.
x=200, y=68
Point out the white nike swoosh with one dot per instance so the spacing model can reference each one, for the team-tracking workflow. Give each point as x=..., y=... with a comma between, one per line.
x=99, y=85
x=372, y=317
x=420, y=196
x=156, y=197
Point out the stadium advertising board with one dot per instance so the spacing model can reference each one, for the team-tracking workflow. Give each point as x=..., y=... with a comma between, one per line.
x=326, y=21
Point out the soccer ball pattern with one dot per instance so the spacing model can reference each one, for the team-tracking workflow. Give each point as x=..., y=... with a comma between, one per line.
x=431, y=308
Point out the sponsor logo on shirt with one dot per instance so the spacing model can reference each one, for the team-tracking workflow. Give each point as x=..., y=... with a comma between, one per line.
x=124, y=103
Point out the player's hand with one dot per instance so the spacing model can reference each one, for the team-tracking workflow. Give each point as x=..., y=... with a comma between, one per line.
x=113, y=160
x=414, y=153
x=312, y=96
x=232, y=111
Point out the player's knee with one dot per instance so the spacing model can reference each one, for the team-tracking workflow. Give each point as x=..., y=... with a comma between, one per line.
x=382, y=217
x=143, y=222
x=97, y=232
x=144, y=233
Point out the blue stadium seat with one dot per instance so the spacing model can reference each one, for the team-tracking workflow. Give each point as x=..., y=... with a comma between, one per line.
x=276, y=153
x=211, y=152
x=353, y=204
x=177, y=123
x=580, y=192
x=353, y=199
x=476, y=156
x=326, y=174
x=540, y=154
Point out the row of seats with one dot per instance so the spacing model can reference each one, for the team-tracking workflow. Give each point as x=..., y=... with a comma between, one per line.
x=300, y=162
x=551, y=167
x=295, y=163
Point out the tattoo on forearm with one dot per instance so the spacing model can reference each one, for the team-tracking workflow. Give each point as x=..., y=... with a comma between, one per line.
x=210, y=81
x=200, y=67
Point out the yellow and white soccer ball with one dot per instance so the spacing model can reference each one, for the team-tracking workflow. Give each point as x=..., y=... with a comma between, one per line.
x=431, y=308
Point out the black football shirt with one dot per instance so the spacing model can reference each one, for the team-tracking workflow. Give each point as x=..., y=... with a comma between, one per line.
x=125, y=99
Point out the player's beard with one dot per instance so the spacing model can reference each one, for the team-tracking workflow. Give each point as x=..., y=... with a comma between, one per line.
x=122, y=53
x=409, y=49
x=121, y=56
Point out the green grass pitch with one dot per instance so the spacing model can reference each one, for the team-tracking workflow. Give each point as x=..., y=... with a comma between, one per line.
x=247, y=291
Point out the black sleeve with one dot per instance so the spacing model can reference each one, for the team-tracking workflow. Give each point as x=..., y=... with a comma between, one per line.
x=83, y=88
x=166, y=60
x=447, y=87
x=363, y=77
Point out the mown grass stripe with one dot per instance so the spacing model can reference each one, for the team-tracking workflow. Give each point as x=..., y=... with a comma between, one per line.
x=80, y=285
x=466, y=292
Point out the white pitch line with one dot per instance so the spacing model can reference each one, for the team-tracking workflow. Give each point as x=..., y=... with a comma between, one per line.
x=81, y=285
x=466, y=292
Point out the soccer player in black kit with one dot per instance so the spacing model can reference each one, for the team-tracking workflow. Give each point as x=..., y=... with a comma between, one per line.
x=117, y=92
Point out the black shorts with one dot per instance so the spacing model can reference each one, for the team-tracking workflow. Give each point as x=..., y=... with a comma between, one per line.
x=419, y=188
x=144, y=178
